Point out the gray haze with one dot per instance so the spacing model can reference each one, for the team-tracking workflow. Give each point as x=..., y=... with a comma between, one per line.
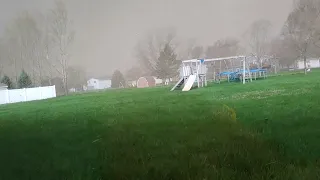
x=108, y=30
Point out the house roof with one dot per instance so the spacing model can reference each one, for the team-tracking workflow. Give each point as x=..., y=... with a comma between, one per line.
x=150, y=79
x=101, y=79
x=3, y=85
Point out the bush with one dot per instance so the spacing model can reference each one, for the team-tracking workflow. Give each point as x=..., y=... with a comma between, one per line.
x=24, y=80
x=118, y=80
x=7, y=81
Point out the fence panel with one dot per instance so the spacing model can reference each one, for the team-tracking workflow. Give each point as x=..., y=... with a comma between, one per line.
x=33, y=94
x=29, y=94
x=48, y=92
x=16, y=95
x=4, y=96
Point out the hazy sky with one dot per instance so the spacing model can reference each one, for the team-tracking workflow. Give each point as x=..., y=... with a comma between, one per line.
x=107, y=30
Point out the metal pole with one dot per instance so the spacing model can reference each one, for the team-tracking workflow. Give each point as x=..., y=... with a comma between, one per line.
x=198, y=79
x=214, y=71
x=205, y=80
x=202, y=79
x=220, y=73
x=244, y=71
x=184, y=72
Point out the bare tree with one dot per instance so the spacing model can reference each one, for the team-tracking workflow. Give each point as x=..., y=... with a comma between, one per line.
x=283, y=52
x=21, y=38
x=258, y=38
x=224, y=47
x=148, y=49
x=2, y=57
x=303, y=28
x=36, y=50
x=47, y=51
x=196, y=52
x=62, y=36
x=77, y=77
x=24, y=46
x=190, y=50
x=133, y=73
x=13, y=59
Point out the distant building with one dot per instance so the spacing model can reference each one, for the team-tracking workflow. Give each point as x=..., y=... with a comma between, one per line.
x=131, y=83
x=158, y=81
x=3, y=86
x=311, y=63
x=147, y=81
x=95, y=84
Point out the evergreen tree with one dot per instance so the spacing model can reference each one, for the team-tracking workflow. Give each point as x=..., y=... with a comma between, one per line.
x=24, y=80
x=167, y=64
x=117, y=80
x=7, y=81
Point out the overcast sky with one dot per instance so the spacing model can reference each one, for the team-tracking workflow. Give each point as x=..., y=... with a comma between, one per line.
x=107, y=30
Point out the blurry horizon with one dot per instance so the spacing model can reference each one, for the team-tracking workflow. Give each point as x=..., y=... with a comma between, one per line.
x=108, y=30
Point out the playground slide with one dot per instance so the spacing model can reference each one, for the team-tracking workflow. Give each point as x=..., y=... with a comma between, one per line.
x=179, y=83
x=188, y=85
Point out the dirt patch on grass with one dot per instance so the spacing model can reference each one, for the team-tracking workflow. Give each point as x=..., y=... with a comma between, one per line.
x=263, y=94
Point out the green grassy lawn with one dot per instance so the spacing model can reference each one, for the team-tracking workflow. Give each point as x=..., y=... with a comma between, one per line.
x=158, y=134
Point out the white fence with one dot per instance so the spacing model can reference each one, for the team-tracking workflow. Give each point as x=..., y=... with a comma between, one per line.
x=29, y=94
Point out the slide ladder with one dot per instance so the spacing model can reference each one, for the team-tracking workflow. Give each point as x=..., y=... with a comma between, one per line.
x=178, y=84
x=190, y=81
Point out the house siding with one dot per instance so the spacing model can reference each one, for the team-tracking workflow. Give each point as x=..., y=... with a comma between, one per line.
x=98, y=84
x=311, y=63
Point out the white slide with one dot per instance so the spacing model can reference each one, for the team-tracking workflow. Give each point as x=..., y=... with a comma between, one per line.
x=188, y=85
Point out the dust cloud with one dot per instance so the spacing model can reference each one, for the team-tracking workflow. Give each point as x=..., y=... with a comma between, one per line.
x=108, y=30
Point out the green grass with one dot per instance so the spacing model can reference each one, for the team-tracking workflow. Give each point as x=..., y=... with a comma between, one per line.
x=157, y=134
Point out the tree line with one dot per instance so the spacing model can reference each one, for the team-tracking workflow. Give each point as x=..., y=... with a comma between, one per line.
x=159, y=53
x=37, y=46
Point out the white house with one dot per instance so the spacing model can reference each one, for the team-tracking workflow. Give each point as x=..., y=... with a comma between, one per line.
x=158, y=81
x=3, y=86
x=311, y=63
x=93, y=84
x=132, y=83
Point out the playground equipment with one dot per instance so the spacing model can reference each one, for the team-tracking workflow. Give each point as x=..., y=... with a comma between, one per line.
x=196, y=71
x=238, y=74
x=190, y=81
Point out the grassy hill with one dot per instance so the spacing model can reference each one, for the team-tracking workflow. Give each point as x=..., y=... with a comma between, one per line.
x=267, y=129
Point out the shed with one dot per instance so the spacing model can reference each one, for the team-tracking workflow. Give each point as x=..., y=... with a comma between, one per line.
x=147, y=81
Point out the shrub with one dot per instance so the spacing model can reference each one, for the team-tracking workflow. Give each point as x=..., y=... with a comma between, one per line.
x=24, y=80
x=7, y=81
